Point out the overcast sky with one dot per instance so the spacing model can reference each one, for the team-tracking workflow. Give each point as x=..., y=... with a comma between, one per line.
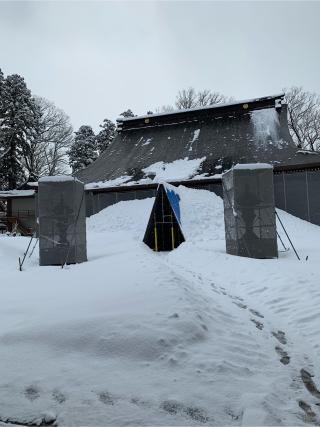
x=96, y=59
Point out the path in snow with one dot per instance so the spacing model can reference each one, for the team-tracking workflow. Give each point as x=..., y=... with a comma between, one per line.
x=284, y=358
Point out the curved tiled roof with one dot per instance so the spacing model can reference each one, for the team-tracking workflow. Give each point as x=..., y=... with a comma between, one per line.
x=241, y=132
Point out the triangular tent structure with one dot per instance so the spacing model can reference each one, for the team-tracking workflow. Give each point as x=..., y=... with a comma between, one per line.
x=164, y=232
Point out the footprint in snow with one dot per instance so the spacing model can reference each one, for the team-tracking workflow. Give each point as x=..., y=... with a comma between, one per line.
x=310, y=415
x=231, y=413
x=256, y=313
x=239, y=304
x=58, y=396
x=215, y=290
x=281, y=337
x=174, y=316
x=32, y=392
x=258, y=324
x=173, y=407
x=106, y=398
x=236, y=298
x=285, y=359
x=244, y=306
x=139, y=402
x=309, y=383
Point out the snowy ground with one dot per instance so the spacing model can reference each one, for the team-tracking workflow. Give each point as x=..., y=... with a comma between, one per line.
x=189, y=337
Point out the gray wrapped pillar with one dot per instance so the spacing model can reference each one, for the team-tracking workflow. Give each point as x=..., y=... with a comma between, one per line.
x=62, y=221
x=249, y=211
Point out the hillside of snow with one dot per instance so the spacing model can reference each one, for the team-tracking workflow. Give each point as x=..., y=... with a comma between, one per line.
x=190, y=337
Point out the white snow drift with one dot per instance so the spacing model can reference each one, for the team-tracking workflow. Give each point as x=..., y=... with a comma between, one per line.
x=134, y=337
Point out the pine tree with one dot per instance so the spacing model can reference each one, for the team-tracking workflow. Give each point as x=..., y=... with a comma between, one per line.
x=106, y=135
x=1, y=94
x=3, y=148
x=18, y=119
x=83, y=151
x=127, y=113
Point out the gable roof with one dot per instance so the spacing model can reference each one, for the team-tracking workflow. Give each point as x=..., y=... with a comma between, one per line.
x=217, y=136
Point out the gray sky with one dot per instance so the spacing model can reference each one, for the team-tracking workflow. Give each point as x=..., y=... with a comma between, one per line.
x=96, y=59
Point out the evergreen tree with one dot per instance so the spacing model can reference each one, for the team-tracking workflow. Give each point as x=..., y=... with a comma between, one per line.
x=18, y=118
x=83, y=151
x=106, y=135
x=127, y=113
x=1, y=94
x=2, y=147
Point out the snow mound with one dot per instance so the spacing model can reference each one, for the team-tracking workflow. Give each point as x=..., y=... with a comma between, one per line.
x=130, y=218
x=202, y=216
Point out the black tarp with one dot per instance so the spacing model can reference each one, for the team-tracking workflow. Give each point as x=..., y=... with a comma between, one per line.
x=163, y=231
x=249, y=211
x=62, y=221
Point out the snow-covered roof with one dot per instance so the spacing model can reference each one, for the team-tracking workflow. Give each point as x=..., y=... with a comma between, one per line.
x=58, y=178
x=253, y=166
x=207, y=107
x=251, y=131
x=16, y=193
x=316, y=153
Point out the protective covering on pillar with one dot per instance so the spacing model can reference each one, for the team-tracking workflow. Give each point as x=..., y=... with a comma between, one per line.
x=164, y=231
x=249, y=211
x=62, y=221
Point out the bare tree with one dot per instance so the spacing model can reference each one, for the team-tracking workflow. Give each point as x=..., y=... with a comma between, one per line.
x=186, y=98
x=304, y=117
x=207, y=97
x=165, y=109
x=189, y=98
x=47, y=153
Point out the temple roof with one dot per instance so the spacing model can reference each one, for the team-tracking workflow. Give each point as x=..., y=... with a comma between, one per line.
x=198, y=142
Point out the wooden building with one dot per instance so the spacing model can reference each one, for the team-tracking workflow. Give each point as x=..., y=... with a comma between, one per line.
x=18, y=211
x=221, y=135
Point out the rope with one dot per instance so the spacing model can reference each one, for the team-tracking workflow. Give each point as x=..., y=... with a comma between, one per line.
x=34, y=246
x=284, y=247
x=25, y=254
x=287, y=236
x=52, y=240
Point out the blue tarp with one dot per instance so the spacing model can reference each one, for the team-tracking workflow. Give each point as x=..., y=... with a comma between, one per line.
x=174, y=200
